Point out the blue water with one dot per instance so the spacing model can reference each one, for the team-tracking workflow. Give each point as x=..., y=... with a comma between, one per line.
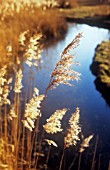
x=95, y=113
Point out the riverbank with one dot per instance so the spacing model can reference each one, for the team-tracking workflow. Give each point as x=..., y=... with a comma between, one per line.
x=98, y=15
x=100, y=67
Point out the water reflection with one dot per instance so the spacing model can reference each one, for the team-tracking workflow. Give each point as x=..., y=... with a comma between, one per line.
x=102, y=88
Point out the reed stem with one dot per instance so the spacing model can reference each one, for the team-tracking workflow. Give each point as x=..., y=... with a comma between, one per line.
x=62, y=158
x=47, y=157
x=95, y=149
x=79, y=163
x=71, y=165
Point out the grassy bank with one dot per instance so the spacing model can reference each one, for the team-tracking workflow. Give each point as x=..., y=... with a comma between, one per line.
x=86, y=11
x=100, y=67
x=101, y=62
x=92, y=15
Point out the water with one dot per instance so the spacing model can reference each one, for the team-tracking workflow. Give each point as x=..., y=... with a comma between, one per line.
x=95, y=113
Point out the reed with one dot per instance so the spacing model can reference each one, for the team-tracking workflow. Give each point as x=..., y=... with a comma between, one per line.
x=94, y=155
x=19, y=128
x=71, y=137
x=16, y=19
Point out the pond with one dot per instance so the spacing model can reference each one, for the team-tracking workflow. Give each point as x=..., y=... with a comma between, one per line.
x=95, y=113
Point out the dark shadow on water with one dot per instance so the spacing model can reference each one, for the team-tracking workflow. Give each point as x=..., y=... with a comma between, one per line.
x=97, y=21
x=103, y=89
x=51, y=42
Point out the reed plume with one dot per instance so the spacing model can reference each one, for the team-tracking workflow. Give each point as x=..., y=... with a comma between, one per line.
x=33, y=50
x=73, y=131
x=9, y=50
x=63, y=73
x=12, y=113
x=74, y=44
x=51, y=142
x=2, y=78
x=71, y=137
x=85, y=143
x=82, y=148
x=6, y=90
x=53, y=124
x=18, y=82
x=4, y=86
x=22, y=38
x=32, y=110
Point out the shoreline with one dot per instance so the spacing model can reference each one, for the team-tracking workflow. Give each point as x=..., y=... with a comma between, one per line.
x=98, y=21
x=98, y=15
x=100, y=67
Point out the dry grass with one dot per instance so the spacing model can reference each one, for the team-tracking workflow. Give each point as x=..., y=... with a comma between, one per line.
x=18, y=132
x=21, y=33
x=86, y=11
x=31, y=18
x=71, y=3
x=19, y=128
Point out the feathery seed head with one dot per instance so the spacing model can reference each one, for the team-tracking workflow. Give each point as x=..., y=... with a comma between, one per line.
x=85, y=143
x=32, y=110
x=2, y=74
x=53, y=124
x=33, y=50
x=9, y=50
x=22, y=38
x=74, y=44
x=18, y=82
x=74, y=130
x=62, y=73
x=12, y=114
x=51, y=142
x=4, y=87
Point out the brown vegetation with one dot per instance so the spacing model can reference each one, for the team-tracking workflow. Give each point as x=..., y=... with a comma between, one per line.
x=86, y=11
x=100, y=67
x=21, y=35
x=13, y=22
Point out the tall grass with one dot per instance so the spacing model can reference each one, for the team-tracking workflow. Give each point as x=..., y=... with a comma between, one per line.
x=17, y=19
x=22, y=36
x=19, y=128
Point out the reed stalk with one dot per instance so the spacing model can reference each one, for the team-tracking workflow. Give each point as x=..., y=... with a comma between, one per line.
x=72, y=163
x=39, y=149
x=62, y=157
x=95, y=150
x=47, y=157
x=62, y=74
x=79, y=163
x=99, y=161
